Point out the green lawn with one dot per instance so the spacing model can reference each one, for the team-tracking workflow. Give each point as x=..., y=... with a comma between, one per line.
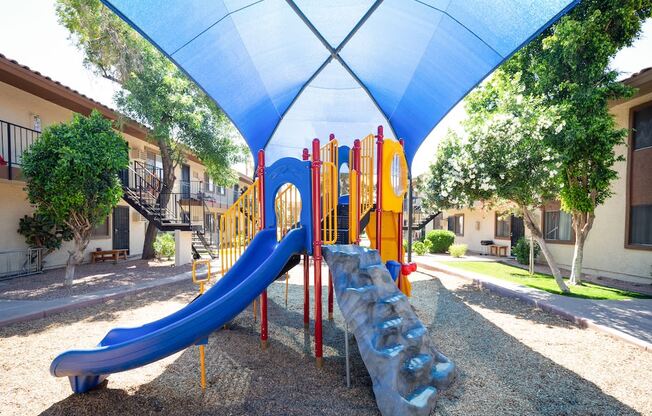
x=542, y=281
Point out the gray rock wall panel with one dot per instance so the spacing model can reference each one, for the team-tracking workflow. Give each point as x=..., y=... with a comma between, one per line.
x=406, y=369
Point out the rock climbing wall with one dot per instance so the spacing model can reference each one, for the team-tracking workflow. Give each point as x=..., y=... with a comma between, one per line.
x=406, y=369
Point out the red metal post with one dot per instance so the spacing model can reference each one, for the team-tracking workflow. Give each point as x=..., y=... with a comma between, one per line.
x=379, y=188
x=306, y=272
x=316, y=248
x=358, y=169
x=261, y=200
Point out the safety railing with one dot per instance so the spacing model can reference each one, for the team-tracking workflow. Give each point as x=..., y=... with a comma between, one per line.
x=366, y=174
x=328, y=154
x=15, y=263
x=238, y=226
x=14, y=140
x=288, y=210
x=329, y=202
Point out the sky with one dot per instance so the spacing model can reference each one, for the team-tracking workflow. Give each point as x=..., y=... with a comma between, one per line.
x=31, y=35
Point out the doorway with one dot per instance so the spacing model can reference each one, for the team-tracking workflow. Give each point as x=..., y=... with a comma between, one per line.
x=185, y=181
x=517, y=229
x=121, y=228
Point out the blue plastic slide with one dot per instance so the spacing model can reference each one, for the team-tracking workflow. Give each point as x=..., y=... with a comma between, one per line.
x=126, y=348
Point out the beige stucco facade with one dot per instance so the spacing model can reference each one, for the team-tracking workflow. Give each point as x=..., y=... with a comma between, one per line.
x=20, y=107
x=605, y=252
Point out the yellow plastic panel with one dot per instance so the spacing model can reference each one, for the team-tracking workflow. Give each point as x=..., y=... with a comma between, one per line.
x=394, y=178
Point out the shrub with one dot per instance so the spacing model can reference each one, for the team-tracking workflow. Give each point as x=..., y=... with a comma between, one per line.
x=419, y=248
x=428, y=245
x=457, y=250
x=522, y=250
x=164, y=245
x=42, y=231
x=440, y=240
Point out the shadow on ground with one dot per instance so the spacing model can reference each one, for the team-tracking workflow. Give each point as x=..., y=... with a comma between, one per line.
x=498, y=374
x=108, y=310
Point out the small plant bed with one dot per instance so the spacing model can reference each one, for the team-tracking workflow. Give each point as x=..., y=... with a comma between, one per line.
x=543, y=281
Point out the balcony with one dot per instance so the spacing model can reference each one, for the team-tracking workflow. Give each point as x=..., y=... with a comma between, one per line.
x=14, y=140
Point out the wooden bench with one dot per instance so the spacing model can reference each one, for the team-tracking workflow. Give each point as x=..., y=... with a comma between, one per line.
x=104, y=255
x=496, y=250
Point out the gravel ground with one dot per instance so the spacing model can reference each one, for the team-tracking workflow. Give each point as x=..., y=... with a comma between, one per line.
x=513, y=360
x=88, y=278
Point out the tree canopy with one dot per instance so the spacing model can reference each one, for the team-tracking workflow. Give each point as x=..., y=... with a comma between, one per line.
x=72, y=176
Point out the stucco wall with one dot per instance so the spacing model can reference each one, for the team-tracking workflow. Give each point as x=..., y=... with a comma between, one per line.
x=605, y=253
x=19, y=107
x=478, y=225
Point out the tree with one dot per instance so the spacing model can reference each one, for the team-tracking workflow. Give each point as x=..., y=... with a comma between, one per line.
x=156, y=93
x=501, y=159
x=72, y=177
x=568, y=67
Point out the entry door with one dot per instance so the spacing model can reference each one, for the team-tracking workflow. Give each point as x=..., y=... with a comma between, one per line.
x=185, y=181
x=121, y=228
x=518, y=229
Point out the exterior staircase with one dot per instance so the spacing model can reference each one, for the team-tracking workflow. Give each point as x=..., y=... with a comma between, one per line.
x=203, y=249
x=420, y=220
x=406, y=369
x=141, y=189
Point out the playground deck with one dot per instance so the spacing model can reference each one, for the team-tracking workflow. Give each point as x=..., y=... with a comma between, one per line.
x=513, y=359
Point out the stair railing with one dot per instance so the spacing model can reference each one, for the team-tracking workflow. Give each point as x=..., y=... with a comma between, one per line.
x=238, y=226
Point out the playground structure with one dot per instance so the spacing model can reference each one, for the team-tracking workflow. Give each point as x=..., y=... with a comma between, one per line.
x=293, y=209
x=280, y=69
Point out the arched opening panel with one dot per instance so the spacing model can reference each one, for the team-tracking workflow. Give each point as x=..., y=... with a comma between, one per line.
x=287, y=205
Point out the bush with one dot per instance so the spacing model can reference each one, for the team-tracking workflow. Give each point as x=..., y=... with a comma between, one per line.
x=522, y=250
x=164, y=245
x=440, y=240
x=428, y=245
x=457, y=250
x=419, y=248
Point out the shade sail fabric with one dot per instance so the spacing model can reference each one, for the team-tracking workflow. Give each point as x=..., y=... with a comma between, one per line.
x=287, y=71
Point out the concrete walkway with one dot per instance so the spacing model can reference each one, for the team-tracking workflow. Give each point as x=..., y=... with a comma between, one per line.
x=630, y=320
x=12, y=311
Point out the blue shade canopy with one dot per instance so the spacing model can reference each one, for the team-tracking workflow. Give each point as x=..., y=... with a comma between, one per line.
x=286, y=71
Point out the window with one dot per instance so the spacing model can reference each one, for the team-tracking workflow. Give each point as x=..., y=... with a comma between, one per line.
x=639, y=202
x=456, y=224
x=101, y=230
x=503, y=226
x=557, y=226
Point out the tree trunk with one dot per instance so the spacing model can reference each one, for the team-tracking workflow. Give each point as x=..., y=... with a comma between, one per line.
x=538, y=237
x=75, y=256
x=169, y=164
x=582, y=224
x=148, y=245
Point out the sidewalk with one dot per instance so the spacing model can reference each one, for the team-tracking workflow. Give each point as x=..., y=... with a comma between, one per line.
x=630, y=320
x=24, y=307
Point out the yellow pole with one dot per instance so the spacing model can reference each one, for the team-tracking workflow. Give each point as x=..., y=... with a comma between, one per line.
x=287, y=282
x=202, y=366
x=202, y=351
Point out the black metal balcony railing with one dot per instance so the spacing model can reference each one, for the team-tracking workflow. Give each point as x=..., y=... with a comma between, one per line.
x=14, y=140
